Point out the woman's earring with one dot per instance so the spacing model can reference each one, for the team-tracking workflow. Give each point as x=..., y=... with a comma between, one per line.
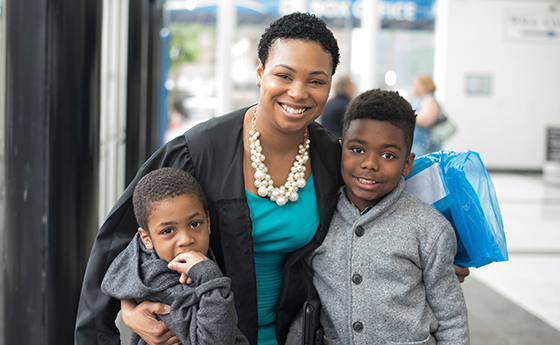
x=258, y=83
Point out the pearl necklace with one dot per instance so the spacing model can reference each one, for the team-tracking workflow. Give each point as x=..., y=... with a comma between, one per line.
x=263, y=181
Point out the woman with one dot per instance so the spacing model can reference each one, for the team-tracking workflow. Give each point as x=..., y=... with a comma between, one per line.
x=259, y=250
x=428, y=112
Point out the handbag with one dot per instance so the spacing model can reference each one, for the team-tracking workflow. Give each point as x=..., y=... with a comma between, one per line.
x=442, y=130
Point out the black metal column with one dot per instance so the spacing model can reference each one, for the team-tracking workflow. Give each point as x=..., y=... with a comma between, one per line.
x=144, y=44
x=52, y=140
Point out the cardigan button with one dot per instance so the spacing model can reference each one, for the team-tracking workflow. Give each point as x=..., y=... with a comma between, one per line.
x=358, y=326
x=360, y=231
x=357, y=279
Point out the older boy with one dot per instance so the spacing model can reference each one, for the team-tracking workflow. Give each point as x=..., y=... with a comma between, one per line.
x=385, y=273
x=169, y=250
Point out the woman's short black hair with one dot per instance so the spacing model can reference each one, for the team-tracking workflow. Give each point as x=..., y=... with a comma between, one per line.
x=162, y=184
x=299, y=26
x=383, y=105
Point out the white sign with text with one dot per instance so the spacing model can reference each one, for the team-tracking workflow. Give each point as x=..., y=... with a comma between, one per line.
x=532, y=26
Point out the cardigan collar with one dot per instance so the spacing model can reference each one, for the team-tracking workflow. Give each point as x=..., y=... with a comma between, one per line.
x=385, y=205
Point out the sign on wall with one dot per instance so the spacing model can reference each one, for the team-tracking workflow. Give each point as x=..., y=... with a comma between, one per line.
x=532, y=26
x=478, y=84
x=394, y=10
x=397, y=10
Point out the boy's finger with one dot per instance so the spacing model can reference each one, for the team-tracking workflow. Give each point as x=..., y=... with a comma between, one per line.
x=175, y=265
x=183, y=278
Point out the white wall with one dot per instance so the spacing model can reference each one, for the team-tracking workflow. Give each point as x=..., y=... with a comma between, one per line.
x=112, y=141
x=112, y=132
x=507, y=127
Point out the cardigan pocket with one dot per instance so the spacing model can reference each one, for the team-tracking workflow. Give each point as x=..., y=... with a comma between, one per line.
x=330, y=335
x=330, y=340
x=430, y=340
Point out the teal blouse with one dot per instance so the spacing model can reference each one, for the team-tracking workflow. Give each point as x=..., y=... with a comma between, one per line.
x=277, y=231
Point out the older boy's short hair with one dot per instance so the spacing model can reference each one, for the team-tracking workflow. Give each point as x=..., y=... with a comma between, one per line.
x=383, y=105
x=162, y=184
x=299, y=26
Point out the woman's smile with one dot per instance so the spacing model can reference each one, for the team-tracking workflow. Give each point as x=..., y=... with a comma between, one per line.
x=292, y=110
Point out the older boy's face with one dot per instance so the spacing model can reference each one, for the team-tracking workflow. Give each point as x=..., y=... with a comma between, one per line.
x=177, y=225
x=373, y=160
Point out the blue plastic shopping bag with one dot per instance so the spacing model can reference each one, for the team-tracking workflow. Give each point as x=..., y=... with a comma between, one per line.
x=458, y=185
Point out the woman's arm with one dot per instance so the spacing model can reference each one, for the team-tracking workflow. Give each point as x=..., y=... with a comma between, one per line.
x=428, y=113
x=141, y=319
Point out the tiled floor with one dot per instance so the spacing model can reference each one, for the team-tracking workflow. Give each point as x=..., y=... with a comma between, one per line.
x=518, y=301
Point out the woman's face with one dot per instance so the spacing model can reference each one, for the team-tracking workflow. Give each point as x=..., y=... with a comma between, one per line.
x=295, y=84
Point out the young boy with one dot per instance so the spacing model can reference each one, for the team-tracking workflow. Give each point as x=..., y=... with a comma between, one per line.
x=384, y=272
x=170, y=250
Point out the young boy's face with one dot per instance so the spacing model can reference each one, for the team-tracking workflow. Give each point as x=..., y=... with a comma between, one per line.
x=373, y=160
x=177, y=225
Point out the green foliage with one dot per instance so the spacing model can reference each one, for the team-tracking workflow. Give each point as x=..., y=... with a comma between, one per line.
x=183, y=42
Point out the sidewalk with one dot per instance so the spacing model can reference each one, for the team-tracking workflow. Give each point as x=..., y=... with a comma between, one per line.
x=517, y=302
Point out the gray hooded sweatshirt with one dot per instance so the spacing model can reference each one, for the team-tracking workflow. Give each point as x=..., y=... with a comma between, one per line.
x=201, y=313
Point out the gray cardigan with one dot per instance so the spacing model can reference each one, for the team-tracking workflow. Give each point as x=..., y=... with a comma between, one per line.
x=387, y=277
x=201, y=313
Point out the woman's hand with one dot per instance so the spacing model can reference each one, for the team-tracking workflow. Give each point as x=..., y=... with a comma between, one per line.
x=141, y=319
x=461, y=272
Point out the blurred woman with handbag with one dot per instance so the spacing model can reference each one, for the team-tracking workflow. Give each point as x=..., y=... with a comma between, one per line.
x=428, y=114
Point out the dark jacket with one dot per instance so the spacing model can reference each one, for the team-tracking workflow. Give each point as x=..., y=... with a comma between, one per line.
x=213, y=153
x=333, y=115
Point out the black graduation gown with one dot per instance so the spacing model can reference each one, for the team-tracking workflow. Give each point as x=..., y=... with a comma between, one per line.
x=213, y=153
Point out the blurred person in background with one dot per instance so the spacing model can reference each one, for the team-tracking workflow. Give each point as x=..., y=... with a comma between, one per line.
x=333, y=116
x=428, y=112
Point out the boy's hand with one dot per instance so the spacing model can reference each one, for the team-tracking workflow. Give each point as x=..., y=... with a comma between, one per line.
x=461, y=272
x=183, y=262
